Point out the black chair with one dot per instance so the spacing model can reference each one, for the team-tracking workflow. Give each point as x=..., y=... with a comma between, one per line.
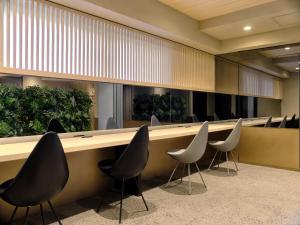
x=43, y=175
x=269, y=122
x=55, y=126
x=111, y=124
x=292, y=122
x=283, y=123
x=130, y=164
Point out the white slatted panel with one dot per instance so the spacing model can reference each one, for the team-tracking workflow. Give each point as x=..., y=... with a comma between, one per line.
x=255, y=83
x=44, y=39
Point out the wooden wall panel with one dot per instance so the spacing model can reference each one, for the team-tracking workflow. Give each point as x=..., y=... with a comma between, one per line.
x=227, y=77
x=65, y=43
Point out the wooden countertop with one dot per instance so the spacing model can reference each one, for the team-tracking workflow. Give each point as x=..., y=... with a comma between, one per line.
x=21, y=150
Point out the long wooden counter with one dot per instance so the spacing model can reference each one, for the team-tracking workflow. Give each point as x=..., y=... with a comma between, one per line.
x=16, y=148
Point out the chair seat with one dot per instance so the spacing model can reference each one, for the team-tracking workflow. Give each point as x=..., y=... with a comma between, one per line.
x=216, y=143
x=4, y=186
x=176, y=154
x=106, y=165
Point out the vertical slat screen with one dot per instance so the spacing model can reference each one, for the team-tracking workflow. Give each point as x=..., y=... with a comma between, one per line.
x=255, y=83
x=43, y=39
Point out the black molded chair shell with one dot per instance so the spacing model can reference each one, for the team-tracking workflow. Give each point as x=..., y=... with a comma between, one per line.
x=43, y=175
x=55, y=126
x=132, y=161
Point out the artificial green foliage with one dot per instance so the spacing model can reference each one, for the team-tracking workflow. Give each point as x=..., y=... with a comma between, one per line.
x=34, y=107
x=165, y=107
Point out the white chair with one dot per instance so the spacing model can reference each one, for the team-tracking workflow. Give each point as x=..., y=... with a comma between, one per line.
x=228, y=145
x=154, y=121
x=191, y=154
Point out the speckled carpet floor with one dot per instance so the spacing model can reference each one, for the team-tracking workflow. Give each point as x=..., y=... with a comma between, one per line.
x=255, y=196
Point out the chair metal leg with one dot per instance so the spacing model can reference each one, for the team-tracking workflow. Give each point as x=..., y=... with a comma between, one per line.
x=101, y=203
x=121, y=202
x=212, y=160
x=13, y=215
x=54, y=213
x=200, y=175
x=232, y=155
x=141, y=195
x=227, y=163
x=190, y=184
x=219, y=159
x=172, y=175
x=42, y=214
x=27, y=216
x=182, y=173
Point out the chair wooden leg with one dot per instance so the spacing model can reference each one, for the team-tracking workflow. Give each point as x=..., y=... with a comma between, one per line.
x=13, y=215
x=26, y=216
x=54, y=213
x=121, y=203
x=190, y=184
x=212, y=160
x=42, y=214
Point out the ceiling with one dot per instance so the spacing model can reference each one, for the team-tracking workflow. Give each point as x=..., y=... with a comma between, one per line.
x=287, y=59
x=274, y=60
x=225, y=19
x=205, y=9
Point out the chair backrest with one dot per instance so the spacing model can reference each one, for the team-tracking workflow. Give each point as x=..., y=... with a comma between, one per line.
x=292, y=122
x=195, y=118
x=43, y=175
x=55, y=126
x=234, y=137
x=154, y=121
x=283, y=123
x=269, y=122
x=197, y=147
x=216, y=117
x=133, y=160
x=111, y=124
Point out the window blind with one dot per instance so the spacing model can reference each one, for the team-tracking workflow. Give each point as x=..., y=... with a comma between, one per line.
x=44, y=39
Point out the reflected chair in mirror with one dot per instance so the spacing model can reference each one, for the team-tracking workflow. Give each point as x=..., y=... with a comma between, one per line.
x=194, y=118
x=269, y=122
x=55, y=126
x=111, y=124
x=44, y=174
x=283, y=123
x=232, y=115
x=154, y=121
x=191, y=154
x=227, y=146
x=292, y=122
x=216, y=117
x=130, y=164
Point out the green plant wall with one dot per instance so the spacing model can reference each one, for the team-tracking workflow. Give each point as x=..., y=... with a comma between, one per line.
x=28, y=111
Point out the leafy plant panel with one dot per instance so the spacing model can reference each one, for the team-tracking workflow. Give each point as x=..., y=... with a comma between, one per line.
x=28, y=111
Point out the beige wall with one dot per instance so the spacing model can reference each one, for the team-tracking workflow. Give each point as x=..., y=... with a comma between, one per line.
x=268, y=107
x=290, y=101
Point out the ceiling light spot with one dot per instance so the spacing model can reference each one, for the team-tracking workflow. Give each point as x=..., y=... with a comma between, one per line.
x=247, y=28
x=297, y=68
x=287, y=48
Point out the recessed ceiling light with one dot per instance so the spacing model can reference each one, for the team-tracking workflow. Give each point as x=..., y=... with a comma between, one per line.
x=297, y=68
x=287, y=48
x=247, y=28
